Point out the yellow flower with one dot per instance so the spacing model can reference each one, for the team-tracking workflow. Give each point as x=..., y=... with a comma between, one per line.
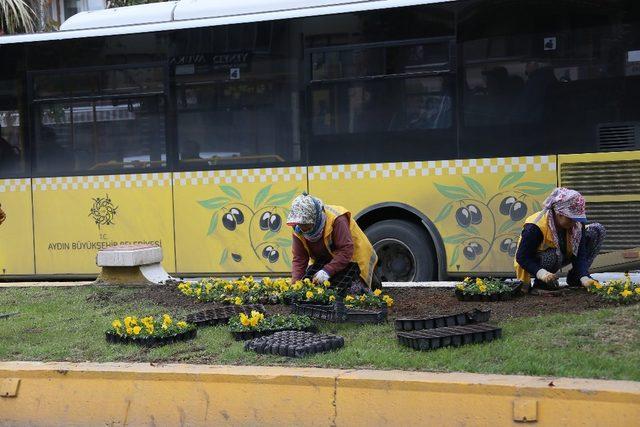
x=377, y=292
x=610, y=290
x=150, y=328
x=467, y=279
x=237, y=301
x=181, y=325
x=198, y=292
x=597, y=284
x=297, y=286
x=309, y=294
x=136, y=330
x=244, y=320
x=362, y=298
x=388, y=300
x=637, y=291
x=333, y=298
x=254, y=321
x=320, y=291
x=166, y=319
x=626, y=293
x=326, y=283
x=460, y=286
x=349, y=298
x=228, y=287
x=482, y=288
x=117, y=324
x=479, y=281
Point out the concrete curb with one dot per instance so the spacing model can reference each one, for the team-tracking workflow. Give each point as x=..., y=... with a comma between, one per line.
x=141, y=394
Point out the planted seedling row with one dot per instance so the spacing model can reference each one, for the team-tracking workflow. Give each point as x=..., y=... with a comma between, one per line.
x=221, y=315
x=114, y=338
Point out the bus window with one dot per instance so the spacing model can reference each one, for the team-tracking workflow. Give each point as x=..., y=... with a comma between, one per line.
x=238, y=105
x=12, y=156
x=99, y=121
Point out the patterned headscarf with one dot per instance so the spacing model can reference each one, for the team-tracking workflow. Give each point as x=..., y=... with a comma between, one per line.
x=307, y=209
x=568, y=203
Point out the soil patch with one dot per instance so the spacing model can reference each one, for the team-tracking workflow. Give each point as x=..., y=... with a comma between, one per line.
x=409, y=302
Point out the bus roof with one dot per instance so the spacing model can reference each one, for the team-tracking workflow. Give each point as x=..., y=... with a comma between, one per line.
x=181, y=14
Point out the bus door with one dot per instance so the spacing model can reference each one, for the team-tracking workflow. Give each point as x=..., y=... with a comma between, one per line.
x=100, y=164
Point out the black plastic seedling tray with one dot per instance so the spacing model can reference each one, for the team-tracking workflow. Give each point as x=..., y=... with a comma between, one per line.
x=431, y=339
x=516, y=291
x=294, y=343
x=114, y=338
x=221, y=315
x=247, y=335
x=339, y=313
x=459, y=319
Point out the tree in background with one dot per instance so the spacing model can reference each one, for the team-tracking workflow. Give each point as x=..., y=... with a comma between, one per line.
x=16, y=16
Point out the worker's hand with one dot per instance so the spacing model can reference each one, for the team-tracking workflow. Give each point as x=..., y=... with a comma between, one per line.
x=587, y=281
x=320, y=277
x=546, y=276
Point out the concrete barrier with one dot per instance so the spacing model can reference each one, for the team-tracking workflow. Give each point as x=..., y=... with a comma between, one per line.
x=118, y=394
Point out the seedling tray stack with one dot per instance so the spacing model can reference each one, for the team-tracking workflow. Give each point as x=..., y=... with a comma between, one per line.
x=338, y=313
x=221, y=315
x=431, y=339
x=294, y=343
x=114, y=338
x=460, y=319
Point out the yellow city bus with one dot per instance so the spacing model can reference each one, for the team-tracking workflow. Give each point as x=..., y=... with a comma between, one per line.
x=193, y=124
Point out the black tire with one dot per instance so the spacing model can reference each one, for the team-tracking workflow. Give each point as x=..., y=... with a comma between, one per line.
x=405, y=251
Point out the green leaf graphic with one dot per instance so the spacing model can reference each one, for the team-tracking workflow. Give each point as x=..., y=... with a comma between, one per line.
x=444, y=213
x=471, y=229
x=229, y=190
x=456, y=238
x=270, y=235
x=452, y=192
x=262, y=194
x=225, y=255
x=506, y=226
x=214, y=203
x=286, y=259
x=510, y=178
x=534, y=188
x=475, y=186
x=213, y=223
x=454, y=256
x=282, y=198
x=284, y=243
x=536, y=206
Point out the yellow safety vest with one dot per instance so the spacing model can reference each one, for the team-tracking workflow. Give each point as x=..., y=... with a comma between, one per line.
x=363, y=253
x=547, y=242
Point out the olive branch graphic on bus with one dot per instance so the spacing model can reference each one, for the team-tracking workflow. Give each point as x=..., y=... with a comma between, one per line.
x=103, y=211
x=269, y=210
x=500, y=215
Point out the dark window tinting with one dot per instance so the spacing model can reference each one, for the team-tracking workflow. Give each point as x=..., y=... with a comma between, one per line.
x=107, y=120
x=13, y=156
x=238, y=97
x=548, y=78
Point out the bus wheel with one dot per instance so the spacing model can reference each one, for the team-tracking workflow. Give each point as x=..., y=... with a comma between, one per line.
x=405, y=252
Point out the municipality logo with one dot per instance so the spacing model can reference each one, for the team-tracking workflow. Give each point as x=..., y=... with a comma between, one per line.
x=103, y=211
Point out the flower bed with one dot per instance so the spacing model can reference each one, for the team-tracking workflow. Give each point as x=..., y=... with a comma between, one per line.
x=619, y=291
x=149, y=331
x=487, y=290
x=244, y=327
x=247, y=290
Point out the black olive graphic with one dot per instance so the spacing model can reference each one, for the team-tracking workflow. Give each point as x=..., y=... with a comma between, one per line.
x=518, y=211
x=266, y=251
x=236, y=257
x=513, y=248
x=476, y=247
x=469, y=253
x=476, y=215
x=275, y=222
x=273, y=256
x=229, y=221
x=505, y=205
x=505, y=244
x=463, y=217
x=264, y=221
x=238, y=215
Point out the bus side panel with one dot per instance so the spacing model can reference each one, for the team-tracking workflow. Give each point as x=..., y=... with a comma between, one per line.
x=77, y=216
x=463, y=198
x=610, y=183
x=16, y=232
x=235, y=220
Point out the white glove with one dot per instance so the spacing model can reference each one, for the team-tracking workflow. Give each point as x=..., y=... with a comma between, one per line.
x=587, y=281
x=546, y=276
x=320, y=277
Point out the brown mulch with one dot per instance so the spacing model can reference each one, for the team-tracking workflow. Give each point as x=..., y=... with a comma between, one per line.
x=409, y=302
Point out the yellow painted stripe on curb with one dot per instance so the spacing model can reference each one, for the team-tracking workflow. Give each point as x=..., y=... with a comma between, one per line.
x=142, y=394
